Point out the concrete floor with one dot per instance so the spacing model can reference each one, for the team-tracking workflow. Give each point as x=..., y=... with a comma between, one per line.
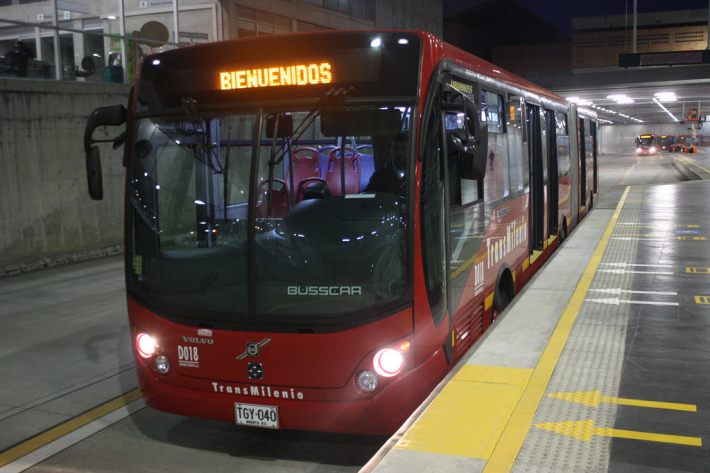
x=67, y=350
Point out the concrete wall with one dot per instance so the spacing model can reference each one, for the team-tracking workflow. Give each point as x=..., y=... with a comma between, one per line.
x=46, y=215
x=620, y=138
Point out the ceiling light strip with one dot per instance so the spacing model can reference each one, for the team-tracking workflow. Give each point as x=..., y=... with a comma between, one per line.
x=657, y=102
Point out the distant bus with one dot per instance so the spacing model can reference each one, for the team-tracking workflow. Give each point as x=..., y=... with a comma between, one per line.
x=646, y=144
x=319, y=226
x=664, y=142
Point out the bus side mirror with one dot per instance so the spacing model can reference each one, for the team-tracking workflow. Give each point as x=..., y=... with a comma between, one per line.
x=112, y=115
x=93, y=174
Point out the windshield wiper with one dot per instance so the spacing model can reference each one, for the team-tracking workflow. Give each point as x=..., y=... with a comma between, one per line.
x=189, y=106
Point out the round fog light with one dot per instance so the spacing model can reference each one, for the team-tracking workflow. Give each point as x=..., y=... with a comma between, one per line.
x=367, y=381
x=162, y=365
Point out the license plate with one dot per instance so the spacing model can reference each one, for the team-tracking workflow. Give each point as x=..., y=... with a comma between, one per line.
x=255, y=415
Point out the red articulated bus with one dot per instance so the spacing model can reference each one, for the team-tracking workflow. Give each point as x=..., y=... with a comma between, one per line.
x=319, y=226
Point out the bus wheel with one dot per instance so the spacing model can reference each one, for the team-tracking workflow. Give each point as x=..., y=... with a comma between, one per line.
x=504, y=293
x=563, y=230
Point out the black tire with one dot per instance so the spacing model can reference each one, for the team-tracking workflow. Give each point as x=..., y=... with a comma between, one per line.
x=563, y=230
x=501, y=299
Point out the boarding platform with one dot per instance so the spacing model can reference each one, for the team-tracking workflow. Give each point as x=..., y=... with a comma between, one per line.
x=601, y=364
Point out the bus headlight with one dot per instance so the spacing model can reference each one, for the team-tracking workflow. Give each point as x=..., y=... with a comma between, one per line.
x=388, y=362
x=162, y=365
x=367, y=381
x=653, y=149
x=146, y=345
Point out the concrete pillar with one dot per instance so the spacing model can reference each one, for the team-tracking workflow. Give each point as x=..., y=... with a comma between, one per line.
x=38, y=42
x=79, y=46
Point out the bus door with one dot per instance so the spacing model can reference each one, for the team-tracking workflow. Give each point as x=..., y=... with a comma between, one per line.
x=582, y=158
x=538, y=171
x=553, y=188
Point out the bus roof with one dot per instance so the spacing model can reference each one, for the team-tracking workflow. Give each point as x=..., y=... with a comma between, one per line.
x=183, y=80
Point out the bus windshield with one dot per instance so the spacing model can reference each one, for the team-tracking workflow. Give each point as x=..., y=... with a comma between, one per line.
x=328, y=206
x=646, y=141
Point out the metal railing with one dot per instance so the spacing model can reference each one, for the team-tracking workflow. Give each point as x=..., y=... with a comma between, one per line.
x=113, y=58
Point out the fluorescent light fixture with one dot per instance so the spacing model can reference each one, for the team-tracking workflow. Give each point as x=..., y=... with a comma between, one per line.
x=111, y=17
x=579, y=101
x=620, y=98
x=156, y=62
x=401, y=41
x=658, y=102
x=666, y=96
x=376, y=43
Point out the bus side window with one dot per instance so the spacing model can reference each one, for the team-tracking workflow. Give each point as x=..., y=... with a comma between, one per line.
x=517, y=147
x=496, y=184
x=432, y=215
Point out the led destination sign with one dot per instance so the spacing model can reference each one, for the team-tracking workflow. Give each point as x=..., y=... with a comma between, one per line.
x=276, y=76
x=282, y=67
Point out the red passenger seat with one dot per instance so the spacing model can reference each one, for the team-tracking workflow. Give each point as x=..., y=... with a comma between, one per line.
x=279, y=199
x=352, y=172
x=306, y=164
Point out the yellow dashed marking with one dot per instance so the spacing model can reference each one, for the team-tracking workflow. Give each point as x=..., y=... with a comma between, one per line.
x=696, y=238
x=595, y=398
x=692, y=270
x=702, y=300
x=585, y=429
x=469, y=414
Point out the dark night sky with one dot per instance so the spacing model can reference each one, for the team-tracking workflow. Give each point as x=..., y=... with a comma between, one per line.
x=560, y=12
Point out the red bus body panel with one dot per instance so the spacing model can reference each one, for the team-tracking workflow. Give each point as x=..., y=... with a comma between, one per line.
x=311, y=377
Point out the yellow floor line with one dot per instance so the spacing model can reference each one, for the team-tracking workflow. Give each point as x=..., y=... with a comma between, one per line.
x=39, y=441
x=511, y=440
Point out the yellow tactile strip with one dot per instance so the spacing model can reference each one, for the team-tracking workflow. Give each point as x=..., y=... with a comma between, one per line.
x=470, y=413
x=485, y=412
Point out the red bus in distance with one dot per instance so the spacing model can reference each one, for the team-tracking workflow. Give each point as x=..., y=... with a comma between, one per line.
x=318, y=254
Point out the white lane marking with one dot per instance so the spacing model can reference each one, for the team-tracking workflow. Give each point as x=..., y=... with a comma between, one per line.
x=623, y=179
x=629, y=271
x=617, y=301
x=72, y=438
x=626, y=291
x=634, y=264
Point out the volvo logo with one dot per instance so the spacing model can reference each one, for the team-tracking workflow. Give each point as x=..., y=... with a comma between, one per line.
x=255, y=371
x=252, y=348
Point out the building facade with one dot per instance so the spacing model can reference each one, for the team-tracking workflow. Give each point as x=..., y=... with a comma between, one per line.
x=92, y=28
